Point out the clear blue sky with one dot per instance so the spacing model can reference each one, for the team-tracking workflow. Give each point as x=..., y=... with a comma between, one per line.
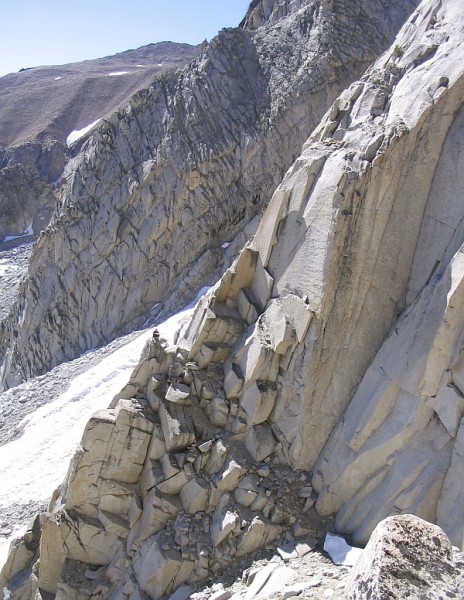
x=52, y=32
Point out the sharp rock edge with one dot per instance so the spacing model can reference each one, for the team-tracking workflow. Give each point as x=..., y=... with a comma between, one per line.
x=324, y=368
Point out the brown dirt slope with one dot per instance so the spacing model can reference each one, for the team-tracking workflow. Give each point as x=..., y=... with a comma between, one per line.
x=44, y=104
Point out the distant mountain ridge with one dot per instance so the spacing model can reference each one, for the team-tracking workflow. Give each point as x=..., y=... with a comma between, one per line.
x=40, y=107
x=44, y=104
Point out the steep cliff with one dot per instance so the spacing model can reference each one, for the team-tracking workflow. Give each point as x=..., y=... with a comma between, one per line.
x=183, y=168
x=321, y=375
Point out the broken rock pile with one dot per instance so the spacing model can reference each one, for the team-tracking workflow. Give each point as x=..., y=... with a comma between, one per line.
x=182, y=475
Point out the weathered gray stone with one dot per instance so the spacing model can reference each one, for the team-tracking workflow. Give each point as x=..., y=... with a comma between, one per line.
x=216, y=458
x=233, y=379
x=260, y=442
x=407, y=557
x=114, y=447
x=177, y=426
x=179, y=393
x=158, y=510
x=85, y=540
x=247, y=490
x=258, y=401
x=258, y=534
x=225, y=522
x=23, y=553
x=174, y=484
x=158, y=571
x=194, y=496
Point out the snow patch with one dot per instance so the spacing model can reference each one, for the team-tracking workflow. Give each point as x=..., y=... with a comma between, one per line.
x=225, y=245
x=58, y=78
x=78, y=133
x=340, y=552
x=32, y=466
x=6, y=267
x=28, y=231
x=118, y=73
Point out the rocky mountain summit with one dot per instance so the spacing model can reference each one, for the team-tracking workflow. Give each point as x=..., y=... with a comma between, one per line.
x=42, y=105
x=319, y=383
x=44, y=116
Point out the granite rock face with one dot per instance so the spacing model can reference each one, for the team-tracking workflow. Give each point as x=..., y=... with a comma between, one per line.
x=322, y=372
x=397, y=446
x=164, y=182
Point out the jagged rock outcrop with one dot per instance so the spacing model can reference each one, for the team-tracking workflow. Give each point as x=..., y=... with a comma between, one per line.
x=261, y=12
x=168, y=485
x=166, y=181
x=48, y=159
x=332, y=345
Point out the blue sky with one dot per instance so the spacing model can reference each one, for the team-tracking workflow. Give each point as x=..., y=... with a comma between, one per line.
x=51, y=32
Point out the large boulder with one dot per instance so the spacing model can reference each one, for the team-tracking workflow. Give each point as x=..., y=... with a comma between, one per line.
x=407, y=557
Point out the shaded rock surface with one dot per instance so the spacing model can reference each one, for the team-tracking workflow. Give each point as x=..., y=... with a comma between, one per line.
x=407, y=557
x=14, y=260
x=27, y=202
x=180, y=170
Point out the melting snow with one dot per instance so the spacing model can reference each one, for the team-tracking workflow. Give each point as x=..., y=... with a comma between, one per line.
x=6, y=267
x=340, y=552
x=32, y=466
x=78, y=133
x=29, y=231
x=117, y=73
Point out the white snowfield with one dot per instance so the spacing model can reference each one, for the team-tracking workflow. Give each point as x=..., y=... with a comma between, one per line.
x=7, y=268
x=28, y=231
x=32, y=466
x=118, y=73
x=76, y=134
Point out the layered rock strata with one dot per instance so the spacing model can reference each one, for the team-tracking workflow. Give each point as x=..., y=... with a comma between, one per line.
x=182, y=169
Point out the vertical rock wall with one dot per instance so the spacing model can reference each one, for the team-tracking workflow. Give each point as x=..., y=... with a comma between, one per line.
x=182, y=169
x=333, y=344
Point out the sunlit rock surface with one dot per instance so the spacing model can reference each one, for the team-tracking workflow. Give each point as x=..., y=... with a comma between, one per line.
x=320, y=378
x=182, y=169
